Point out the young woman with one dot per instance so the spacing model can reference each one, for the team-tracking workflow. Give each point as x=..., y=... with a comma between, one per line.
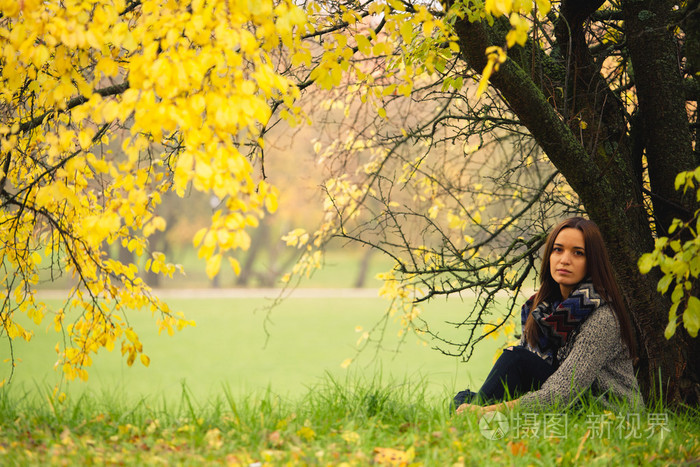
x=576, y=334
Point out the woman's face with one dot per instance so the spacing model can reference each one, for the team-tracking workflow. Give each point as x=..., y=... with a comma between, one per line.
x=567, y=263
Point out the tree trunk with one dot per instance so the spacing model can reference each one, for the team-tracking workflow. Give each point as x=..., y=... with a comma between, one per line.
x=363, y=269
x=668, y=148
x=156, y=242
x=608, y=184
x=661, y=96
x=260, y=241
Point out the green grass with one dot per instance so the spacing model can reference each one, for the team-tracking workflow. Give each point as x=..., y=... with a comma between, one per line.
x=225, y=393
x=355, y=421
x=239, y=345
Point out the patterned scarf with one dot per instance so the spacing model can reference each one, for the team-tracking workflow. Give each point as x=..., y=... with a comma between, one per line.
x=558, y=321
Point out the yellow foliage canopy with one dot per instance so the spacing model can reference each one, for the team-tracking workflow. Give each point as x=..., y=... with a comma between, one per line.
x=106, y=105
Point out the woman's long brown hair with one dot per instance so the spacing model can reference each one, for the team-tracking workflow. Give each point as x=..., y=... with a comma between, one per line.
x=599, y=270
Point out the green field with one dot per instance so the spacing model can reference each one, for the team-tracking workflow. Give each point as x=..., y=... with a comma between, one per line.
x=240, y=345
x=227, y=393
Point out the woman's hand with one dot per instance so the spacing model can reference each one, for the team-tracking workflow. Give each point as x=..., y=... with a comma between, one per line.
x=470, y=408
x=479, y=410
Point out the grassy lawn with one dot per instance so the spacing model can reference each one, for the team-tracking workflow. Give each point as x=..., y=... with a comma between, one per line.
x=237, y=344
x=225, y=393
x=356, y=422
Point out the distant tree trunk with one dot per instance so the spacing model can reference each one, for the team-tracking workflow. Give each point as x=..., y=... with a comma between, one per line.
x=259, y=242
x=124, y=255
x=364, y=268
x=157, y=242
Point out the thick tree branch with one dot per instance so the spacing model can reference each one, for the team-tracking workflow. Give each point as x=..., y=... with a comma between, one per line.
x=74, y=102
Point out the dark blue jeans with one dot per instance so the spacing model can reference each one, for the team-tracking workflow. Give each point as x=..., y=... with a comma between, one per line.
x=516, y=372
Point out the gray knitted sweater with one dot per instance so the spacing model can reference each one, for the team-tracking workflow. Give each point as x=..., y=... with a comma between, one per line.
x=594, y=357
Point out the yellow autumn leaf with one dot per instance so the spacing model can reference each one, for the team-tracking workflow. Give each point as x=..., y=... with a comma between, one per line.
x=214, y=438
x=213, y=265
x=518, y=33
x=392, y=456
x=498, y=7
x=406, y=30
x=543, y=6
x=110, y=111
x=131, y=335
x=495, y=56
x=454, y=221
x=235, y=265
x=363, y=44
x=85, y=140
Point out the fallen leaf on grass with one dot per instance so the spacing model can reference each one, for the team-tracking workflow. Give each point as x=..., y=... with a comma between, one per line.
x=306, y=432
x=393, y=457
x=580, y=446
x=275, y=439
x=65, y=437
x=518, y=448
x=270, y=455
x=350, y=437
x=233, y=460
x=214, y=439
